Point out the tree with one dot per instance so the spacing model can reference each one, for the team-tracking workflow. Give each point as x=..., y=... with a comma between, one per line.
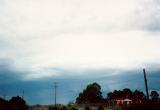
x=4, y=105
x=18, y=103
x=127, y=93
x=154, y=95
x=138, y=95
x=92, y=94
x=110, y=95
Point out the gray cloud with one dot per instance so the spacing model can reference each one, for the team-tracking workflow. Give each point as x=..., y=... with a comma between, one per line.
x=147, y=15
x=7, y=73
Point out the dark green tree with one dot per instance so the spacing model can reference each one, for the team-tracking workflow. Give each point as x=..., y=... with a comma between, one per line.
x=127, y=93
x=118, y=94
x=4, y=105
x=18, y=103
x=154, y=95
x=138, y=95
x=110, y=95
x=92, y=94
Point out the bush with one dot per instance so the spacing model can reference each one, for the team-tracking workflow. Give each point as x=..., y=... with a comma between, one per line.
x=87, y=108
x=100, y=108
x=73, y=108
x=148, y=106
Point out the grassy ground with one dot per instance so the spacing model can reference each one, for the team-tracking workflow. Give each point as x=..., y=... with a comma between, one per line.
x=77, y=107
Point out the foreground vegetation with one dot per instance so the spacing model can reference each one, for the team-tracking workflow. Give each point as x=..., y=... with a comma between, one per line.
x=15, y=103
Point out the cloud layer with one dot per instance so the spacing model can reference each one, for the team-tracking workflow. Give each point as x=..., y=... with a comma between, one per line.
x=38, y=36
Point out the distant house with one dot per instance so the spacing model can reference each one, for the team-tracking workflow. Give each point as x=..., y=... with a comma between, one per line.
x=127, y=101
x=119, y=102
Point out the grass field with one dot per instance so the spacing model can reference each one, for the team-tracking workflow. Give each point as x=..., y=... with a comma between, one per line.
x=79, y=108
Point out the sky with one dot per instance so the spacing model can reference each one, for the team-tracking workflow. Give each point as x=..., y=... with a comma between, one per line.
x=77, y=42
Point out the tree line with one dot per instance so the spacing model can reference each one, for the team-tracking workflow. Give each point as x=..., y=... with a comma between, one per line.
x=15, y=103
x=92, y=95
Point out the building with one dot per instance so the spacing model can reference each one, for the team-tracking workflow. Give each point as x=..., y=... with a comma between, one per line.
x=119, y=102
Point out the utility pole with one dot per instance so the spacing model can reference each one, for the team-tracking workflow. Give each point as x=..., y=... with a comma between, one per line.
x=55, y=93
x=146, y=85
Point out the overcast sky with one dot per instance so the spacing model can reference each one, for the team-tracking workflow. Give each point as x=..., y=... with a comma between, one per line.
x=40, y=39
